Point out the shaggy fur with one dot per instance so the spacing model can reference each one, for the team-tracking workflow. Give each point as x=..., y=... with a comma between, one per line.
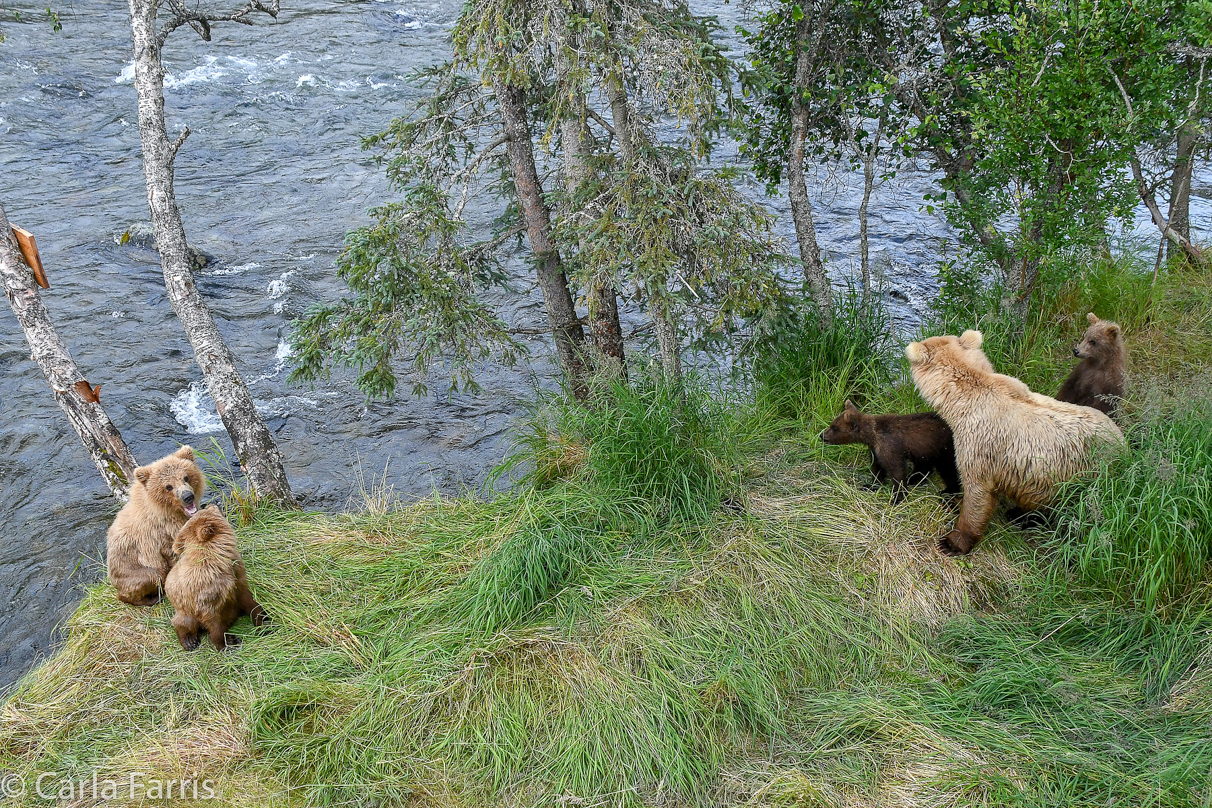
x=1098, y=380
x=1009, y=441
x=895, y=441
x=208, y=587
x=139, y=544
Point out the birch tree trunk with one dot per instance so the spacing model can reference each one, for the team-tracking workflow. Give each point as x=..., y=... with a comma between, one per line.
x=254, y=444
x=797, y=185
x=569, y=335
x=100, y=437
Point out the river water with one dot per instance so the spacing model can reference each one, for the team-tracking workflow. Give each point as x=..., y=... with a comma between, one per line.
x=269, y=182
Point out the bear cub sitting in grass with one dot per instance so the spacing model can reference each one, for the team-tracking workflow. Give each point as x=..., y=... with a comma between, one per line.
x=895, y=441
x=1098, y=380
x=139, y=545
x=208, y=586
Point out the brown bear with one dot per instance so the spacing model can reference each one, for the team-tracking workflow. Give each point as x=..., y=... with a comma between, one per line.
x=895, y=441
x=1098, y=380
x=207, y=586
x=1009, y=441
x=140, y=541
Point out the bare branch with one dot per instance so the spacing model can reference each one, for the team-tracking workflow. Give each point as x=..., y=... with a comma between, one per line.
x=200, y=21
x=176, y=144
x=1183, y=49
x=600, y=121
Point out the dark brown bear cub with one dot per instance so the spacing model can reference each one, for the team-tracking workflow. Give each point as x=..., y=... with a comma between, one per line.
x=895, y=441
x=208, y=586
x=1098, y=380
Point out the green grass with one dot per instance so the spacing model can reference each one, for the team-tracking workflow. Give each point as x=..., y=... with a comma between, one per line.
x=1142, y=527
x=680, y=603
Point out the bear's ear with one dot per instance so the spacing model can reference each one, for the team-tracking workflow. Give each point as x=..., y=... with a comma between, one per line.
x=971, y=339
x=1091, y=318
x=850, y=406
x=143, y=474
x=185, y=453
x=914, y=352
x=1113, y=331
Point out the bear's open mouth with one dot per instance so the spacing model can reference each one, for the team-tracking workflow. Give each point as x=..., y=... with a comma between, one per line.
x=190, y=510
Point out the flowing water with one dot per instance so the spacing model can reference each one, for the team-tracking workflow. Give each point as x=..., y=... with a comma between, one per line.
x=269, y=182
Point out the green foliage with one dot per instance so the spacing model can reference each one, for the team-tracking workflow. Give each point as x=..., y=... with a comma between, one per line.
x=413, y=276
x=415, y=272
x=1142, y=527
x=842, y=82
x=676, y=232
x=805, y=370
x=666, y=444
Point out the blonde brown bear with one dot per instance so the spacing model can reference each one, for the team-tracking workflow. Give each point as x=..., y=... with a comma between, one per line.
x=1009, y=441
x=140, y=541
x=208, y=586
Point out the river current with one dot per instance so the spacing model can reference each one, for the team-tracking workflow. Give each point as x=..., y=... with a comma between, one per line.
x=269, y=182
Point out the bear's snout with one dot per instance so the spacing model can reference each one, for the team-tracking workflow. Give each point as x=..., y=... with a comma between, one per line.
x=188, y=500
x=1077, y=352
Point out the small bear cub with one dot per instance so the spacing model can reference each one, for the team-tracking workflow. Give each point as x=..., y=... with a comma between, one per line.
x=208, y=586
x=923, y=439
x=1098, y=380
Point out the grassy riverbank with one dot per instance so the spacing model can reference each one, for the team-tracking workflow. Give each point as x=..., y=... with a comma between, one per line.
x=695, y=603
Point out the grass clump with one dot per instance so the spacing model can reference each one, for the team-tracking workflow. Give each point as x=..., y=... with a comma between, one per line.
x=669, y=445
x=1141, y=527
x=804, y=369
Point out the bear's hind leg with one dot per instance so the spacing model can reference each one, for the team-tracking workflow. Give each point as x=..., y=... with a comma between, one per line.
x=139, y=587
x=217, y=629
x=244, y=599
x=187, y=631
x=250, y=607
x=977, y=509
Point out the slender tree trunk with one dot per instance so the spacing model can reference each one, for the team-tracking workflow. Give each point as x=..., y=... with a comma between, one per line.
x=797, y=185
x=569, y=335
x=604, y=327
x=78, y=400
x=659, y=305
x=864, y=252
x=1180, y=185
x=253, y=442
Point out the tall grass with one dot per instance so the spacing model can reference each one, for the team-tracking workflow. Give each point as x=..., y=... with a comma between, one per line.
x=804, y=369
x=670, y=445
x=1142, y=527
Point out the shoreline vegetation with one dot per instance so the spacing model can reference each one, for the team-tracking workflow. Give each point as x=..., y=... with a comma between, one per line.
x=686, y=599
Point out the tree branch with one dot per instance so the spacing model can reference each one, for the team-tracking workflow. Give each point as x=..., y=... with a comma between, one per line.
x=1146, y=193
x=176, y=144
x=200, y=21
x=599, y=120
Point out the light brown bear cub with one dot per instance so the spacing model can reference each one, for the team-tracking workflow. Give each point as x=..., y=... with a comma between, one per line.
x=1098, y=380
x=1009, y=441
x=140, y=541
x=208, y=587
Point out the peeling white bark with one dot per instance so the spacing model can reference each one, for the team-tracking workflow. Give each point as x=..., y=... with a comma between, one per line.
x=98, y=434
x=254, y=444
